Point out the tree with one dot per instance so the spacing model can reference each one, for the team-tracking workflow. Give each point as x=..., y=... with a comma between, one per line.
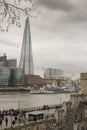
x=10, y=12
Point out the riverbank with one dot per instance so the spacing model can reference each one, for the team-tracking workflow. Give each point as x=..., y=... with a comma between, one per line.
x=72, y=116
x=11, y=99
x=12, y=89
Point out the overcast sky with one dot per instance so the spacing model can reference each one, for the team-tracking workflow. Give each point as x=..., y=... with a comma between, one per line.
x=59, y=37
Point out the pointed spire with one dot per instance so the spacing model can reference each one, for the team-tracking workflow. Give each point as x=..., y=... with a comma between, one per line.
x=26, y=60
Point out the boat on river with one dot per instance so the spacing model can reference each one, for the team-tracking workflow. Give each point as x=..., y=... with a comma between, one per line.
x=52, y=89
x=39, y=91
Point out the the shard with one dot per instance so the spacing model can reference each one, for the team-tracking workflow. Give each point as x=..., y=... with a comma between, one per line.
x=26, y=59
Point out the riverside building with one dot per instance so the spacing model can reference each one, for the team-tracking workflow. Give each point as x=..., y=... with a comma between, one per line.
x=51, y=72
x=4, y=62
x=10, y=75
x=33, y=80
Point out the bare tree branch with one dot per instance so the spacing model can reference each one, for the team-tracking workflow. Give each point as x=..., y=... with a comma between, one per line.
x=10, y=12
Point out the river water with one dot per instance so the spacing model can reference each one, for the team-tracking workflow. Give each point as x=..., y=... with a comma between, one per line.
x=24, y=100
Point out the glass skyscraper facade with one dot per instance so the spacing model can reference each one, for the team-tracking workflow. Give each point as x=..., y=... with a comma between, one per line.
x=11, y=77
x=4, y=76
x=26, y=59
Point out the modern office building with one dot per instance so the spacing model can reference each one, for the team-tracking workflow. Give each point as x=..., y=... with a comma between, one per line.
x=50, y=73
x=11, y=77
x=26, y=59
x=4, y=62
x=4, y=76
x=16, y=77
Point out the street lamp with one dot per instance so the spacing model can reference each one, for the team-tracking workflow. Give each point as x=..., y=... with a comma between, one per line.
x=19, y=105
x=60, y=100
x=11, y=116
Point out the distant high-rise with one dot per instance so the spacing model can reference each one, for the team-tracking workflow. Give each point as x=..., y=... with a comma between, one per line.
x=51, y=72
x=26, y=60
x=4, y=62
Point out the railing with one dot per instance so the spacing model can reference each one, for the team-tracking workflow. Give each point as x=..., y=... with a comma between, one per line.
x=44, y=107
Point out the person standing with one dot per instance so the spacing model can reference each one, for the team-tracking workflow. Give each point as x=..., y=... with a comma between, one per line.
x=0, y=121
x=13, y=122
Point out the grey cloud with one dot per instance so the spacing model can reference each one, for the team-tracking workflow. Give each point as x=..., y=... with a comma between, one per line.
x=8, y=43
x=64, y=11
x=9, y=40
x=78, y=17
x=64, y=5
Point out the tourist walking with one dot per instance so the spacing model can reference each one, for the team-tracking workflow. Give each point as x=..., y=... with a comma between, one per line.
x=24, y=115
x=15, y=118
x=13, y=122
x=6, y=121
x=0, y=121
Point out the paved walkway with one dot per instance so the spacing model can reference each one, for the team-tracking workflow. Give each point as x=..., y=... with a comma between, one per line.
x=48, y=111
x=11, y=118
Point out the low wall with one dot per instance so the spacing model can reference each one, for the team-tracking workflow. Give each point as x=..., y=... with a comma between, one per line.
x=34, y=125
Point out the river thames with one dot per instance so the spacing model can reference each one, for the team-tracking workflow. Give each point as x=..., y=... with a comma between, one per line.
x=24, y=100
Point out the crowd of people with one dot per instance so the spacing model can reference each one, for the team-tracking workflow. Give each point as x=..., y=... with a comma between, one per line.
x=12, y=116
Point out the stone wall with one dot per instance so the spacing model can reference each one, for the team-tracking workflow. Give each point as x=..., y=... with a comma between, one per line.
x=80, y=125
x=34, y=125
x=67, y=106
x=83, y=83
x=72, y=116
x=76, y=99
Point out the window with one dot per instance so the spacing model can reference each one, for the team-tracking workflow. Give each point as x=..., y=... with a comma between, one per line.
x=76, y=117
x=82, y=128
x=81, y=115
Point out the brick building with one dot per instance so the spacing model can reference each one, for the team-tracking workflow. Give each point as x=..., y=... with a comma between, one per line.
x=33, y=80
x=11, y=63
